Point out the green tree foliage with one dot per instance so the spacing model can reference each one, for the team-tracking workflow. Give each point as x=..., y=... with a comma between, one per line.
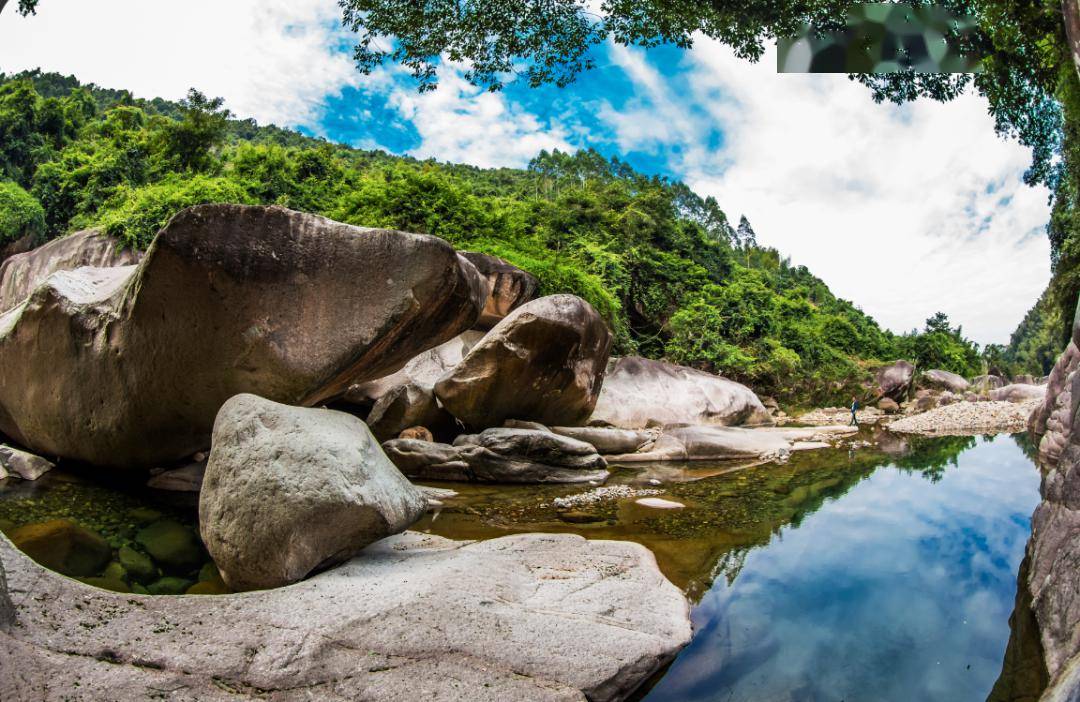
x=20, y=214
x=661, y=264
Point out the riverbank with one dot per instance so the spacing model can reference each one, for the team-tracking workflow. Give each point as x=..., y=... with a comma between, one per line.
x=964, y=418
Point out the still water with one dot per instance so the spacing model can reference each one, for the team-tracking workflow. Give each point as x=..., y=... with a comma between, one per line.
x=882, y=572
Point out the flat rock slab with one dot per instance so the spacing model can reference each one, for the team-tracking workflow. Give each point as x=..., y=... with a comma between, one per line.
x=526, y=617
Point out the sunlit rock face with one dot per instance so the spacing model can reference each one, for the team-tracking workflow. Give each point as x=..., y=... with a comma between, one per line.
x=894, y=381
x=20, y=274
x=412, y=617
x=944, y=380
x=639, y=392
x=1054, y=549
x=128, y=366
x=544, y=362
x=511, y=287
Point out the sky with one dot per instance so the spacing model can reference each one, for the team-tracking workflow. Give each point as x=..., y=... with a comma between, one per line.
x=905, y=210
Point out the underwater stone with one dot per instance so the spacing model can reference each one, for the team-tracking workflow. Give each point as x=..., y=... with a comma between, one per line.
x=107, y=583
x=138, y=565
x=171, y=544
x=63, y=546
x=169, y=585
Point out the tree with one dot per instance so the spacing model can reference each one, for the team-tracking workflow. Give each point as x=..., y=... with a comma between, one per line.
x=190, y=141
x=26, y=7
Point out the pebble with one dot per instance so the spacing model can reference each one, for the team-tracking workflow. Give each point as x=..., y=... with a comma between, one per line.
x=610, y=492
x=969, y=417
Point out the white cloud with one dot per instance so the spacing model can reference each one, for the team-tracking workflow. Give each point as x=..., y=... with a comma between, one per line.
x=274, y=60
x=889, y=205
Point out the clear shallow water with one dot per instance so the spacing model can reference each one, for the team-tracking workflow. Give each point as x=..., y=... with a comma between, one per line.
x=900, y=590
x=864, y=573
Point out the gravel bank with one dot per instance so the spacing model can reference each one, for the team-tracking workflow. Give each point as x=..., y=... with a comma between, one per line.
x=969, y=418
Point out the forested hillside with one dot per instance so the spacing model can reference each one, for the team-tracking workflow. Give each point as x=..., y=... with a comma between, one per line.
x=669, y=271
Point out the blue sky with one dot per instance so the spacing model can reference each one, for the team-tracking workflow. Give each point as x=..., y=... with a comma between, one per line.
x=904, y=210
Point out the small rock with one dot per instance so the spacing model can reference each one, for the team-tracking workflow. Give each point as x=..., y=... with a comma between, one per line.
x=25, y=465
x=169, y=585
x=171, y=544
x=659, y=503
x=115, y=571
x=138, y=565
x=420, y=433
x=107, y=583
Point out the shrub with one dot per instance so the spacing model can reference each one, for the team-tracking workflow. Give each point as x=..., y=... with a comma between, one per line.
x=20, y=214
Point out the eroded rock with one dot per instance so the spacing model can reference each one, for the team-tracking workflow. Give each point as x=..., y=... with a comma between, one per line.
x=228, y=299
x=289, y=490
x=639, y=392
x=511, y=287
x=413, y=617
x=544, y=362
x=944, y=380
x=894, y=381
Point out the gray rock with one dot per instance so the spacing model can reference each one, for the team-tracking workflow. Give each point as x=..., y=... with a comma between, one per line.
x=894, y=381
x=544, y=362
x=1051, y=423
x=228, y=299
x=888, y=405
x=986, y=383
x=414, y=617
x=1018, y=392
x=944, y=380
x=697, y=443
x=639, y=393
x=187, y=478
x=290, y=489
x=501, y=455
x=20, y=274
x=25, y=465
x=511, y=287
x=607, y=440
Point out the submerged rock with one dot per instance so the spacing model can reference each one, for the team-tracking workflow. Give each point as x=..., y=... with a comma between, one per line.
x=25, y=465
x=171, y=544
x=500, y=455
x=137, y=565
x=20, y=274
x=228, y=299
x=639, y=392
x=289, y=490
x=544, y=362
x=63, y=546
x=511, y=287
x=538, y=617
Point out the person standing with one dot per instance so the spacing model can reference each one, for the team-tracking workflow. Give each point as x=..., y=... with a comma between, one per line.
x=854, y=408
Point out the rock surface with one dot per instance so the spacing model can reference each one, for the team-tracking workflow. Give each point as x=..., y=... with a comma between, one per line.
x=894, y=381
x=20, y=274
x=607, y=440
x=511, y=287
x=187, y=478
x=544, y=362
x=25, y=465
x=1051, y=423
x=63, y=546
x=944, y=380
x=1018, y=392
x=985, y=383
x=696, y=443
x=639, y=392
x=530, y=617
x=289, y=490
x=228, y=299
x=503, y=455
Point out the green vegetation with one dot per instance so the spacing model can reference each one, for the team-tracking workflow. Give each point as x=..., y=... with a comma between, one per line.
x=20, y=214
x=662, y=264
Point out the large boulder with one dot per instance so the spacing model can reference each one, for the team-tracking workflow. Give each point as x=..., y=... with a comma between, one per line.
x=128, y=366
x=944, y=380
x=1051, y=423
x=1018, y=392
x=894, y=381
x=20, y=274
x=407, y=398
x=639, y=392
x=511, y=287
x=538, y=617
x=544, y=362
x=288, y=490
x=500, y=455
x=609, y=440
